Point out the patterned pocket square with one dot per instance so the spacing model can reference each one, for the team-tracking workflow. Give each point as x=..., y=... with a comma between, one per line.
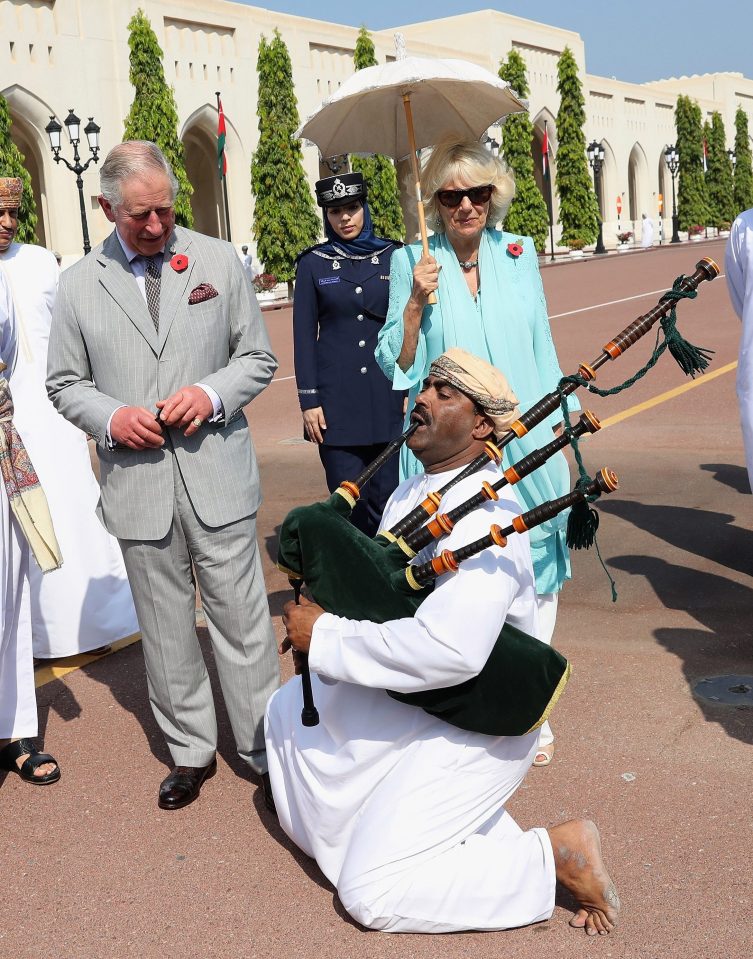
x=204, y=291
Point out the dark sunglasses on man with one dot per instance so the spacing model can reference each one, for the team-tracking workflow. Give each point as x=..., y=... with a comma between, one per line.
x=478, y=195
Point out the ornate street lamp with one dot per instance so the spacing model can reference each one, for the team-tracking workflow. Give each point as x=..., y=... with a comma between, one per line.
x=336, y=164
x=672, y=159
x=595, y=154
x=91, y=131
x=491, y=145
x=732, y=158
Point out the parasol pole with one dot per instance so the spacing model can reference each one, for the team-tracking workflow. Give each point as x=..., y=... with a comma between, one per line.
x=414, y=162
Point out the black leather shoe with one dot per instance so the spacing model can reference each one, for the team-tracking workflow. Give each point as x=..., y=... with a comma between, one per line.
x=183, y=785
x=269, y=799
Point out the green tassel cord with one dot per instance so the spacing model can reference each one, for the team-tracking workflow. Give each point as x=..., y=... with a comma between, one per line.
x=583, y=521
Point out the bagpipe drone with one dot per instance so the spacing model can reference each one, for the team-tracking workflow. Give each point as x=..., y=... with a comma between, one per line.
x=352, y=575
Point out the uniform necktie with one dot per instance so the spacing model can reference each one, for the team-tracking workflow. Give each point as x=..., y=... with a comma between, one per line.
x=152, y=277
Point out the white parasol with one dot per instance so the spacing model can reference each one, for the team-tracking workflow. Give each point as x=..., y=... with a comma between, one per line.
x=396, y=108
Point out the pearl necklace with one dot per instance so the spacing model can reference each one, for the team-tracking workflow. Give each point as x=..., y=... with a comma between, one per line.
x=468, y=264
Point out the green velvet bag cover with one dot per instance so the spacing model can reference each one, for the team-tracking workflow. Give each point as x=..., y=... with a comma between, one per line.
x=513, y=694
x=354, y=576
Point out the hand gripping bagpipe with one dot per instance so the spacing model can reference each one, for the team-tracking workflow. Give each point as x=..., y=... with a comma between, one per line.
x=357, y=577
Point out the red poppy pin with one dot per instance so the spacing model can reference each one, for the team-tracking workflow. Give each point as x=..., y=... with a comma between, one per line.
x=180, y=261
x=514, y=250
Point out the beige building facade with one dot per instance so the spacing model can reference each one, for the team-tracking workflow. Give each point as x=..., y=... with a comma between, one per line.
x=61, y=54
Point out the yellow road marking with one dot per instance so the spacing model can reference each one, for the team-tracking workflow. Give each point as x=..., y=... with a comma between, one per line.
x=47, y=674
x=669, y=395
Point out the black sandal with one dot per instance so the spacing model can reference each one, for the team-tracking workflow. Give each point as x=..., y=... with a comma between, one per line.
x=10, y=753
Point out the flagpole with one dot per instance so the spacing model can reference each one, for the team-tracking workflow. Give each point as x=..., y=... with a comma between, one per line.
x=223, y=177
x=548, y=178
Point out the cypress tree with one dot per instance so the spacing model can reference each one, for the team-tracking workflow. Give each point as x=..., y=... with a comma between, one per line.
x=378, y=171
x=153, y=114
x=528, y=212
x=743, y=193
x=579, y=211
x=719, y=174
x=285, y=218
x=692, y=196
x=12, y=164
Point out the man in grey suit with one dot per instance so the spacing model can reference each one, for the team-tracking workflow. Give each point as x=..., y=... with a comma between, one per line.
x=157, y=344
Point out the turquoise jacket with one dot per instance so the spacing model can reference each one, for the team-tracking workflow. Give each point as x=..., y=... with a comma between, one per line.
x=508, y=326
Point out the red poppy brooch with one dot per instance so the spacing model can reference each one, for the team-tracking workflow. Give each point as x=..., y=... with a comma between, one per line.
x=180, y=261
x=515, y=249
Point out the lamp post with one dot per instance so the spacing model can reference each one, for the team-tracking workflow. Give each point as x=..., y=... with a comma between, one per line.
x=672, y=159
x=73, y=125
x=595, y=154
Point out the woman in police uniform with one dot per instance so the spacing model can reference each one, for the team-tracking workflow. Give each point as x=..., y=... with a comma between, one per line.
x=342, y=288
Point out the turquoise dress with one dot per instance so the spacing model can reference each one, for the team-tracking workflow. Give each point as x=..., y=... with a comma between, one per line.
x=507, y=325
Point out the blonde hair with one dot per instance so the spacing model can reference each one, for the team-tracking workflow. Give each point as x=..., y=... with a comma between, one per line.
x=455, y=158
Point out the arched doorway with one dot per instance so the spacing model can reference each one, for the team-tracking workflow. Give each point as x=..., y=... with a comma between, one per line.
x=29, y=117
x=638, y=191
x=663, y=206
x=22, y=137
x=207, y=203
x=609, y=191
x=199, y=137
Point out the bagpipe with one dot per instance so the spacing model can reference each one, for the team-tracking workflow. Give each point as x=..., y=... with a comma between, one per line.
x=352, y=575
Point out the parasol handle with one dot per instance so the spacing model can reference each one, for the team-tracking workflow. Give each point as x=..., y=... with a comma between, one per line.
x=414, y=162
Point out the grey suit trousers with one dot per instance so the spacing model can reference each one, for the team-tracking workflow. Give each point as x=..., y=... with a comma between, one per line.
x=235, y=606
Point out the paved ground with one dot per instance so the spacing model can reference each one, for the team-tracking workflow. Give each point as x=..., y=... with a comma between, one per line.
x=91, y=869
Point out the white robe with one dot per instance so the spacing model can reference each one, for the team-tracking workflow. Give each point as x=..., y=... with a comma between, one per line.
x=18, y=704
x=404, y=813
x=87, y=602
x=647, y=232
x=738, y=266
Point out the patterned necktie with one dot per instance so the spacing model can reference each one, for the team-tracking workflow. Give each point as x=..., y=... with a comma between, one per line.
x=152, y=276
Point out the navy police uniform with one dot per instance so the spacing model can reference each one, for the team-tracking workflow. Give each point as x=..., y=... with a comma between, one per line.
x=340, y=305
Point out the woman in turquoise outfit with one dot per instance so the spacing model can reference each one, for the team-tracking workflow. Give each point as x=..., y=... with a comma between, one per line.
x=490, y=301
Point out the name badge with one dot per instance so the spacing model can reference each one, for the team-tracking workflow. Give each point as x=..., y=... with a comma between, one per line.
x=326, y=280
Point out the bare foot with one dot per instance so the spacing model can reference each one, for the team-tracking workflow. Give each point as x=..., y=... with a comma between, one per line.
x=581, y=870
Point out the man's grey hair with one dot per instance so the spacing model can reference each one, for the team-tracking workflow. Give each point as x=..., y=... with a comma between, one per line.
x=133, y=158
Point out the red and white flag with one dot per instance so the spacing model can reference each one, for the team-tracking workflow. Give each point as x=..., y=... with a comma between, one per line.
x=705, y=156
x=221, y=134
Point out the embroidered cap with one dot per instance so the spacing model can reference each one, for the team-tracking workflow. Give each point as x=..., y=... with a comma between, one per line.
x=340, y=190
x=481, y=382
x=11, y=189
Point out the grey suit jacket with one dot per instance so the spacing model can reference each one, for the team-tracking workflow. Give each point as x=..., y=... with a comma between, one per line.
x=104, y=352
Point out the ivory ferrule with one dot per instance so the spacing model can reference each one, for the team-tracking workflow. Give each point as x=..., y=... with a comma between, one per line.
x=346, y=495
x=410, y=553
